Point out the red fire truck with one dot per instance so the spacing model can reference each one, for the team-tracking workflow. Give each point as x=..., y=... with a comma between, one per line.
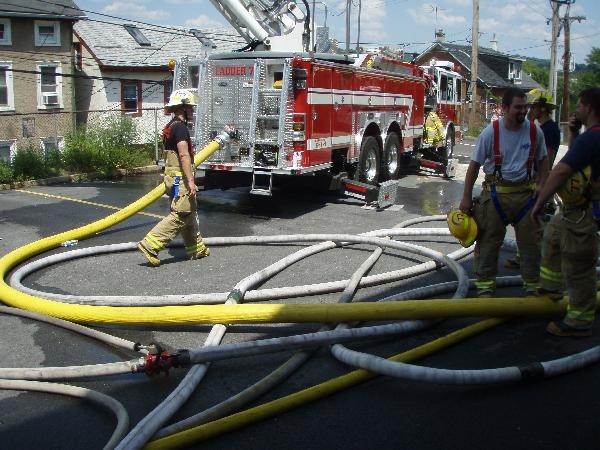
x=302, y=114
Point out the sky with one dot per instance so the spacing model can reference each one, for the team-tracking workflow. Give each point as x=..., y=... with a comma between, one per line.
x=521, y=27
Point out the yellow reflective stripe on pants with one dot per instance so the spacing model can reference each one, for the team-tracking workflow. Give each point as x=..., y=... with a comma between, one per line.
x=550, y=275
x=582, y=316
x=530, y=284
x=154, y=243
x=485, y=284
x=195, y=248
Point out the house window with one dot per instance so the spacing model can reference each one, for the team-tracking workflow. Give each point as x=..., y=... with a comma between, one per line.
x=7, y=149
x=5, y=32
x=47, y=33
x=51, y=144
x=514, y=71
x=49, y=86
x=131, y=98
x=7, y=100
x=137, y=34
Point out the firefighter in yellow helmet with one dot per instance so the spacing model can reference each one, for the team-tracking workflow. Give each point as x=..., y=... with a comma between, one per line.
x=570, y=246
x=541, y=106
x=179, y=184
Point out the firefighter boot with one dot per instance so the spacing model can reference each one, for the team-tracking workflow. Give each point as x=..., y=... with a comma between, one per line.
x=560, y=328
x=149, y=254
x=200, y=251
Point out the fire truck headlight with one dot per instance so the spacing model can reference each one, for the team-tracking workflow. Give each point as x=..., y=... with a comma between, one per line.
x=298, y=126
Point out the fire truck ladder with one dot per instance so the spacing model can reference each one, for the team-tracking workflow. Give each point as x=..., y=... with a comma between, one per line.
x=266, y=110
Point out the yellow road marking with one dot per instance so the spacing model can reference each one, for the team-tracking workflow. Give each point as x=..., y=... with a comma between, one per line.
x=85, y=202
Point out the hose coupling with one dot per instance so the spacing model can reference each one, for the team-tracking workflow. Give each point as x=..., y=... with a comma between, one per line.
x=158, y=360
x=228, y=133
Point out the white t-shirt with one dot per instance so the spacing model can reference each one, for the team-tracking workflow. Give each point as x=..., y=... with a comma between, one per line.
x=514, y=150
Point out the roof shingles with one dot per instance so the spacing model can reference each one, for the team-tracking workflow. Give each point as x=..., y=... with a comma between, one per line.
x=113, y=46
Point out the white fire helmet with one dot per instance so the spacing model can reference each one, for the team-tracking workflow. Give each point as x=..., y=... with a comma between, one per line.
x=182, y=97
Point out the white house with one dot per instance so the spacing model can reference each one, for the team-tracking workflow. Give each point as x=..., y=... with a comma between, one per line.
x=124, y=68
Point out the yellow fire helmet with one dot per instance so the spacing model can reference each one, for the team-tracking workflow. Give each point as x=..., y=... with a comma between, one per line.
x=540, y=96
x=575, y=191
x=462, y=226
x=182, y=97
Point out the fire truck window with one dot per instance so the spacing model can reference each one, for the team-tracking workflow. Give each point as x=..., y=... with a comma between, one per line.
x=458, y=90
x=277, y=76
x=444, y=88
x=450, y=91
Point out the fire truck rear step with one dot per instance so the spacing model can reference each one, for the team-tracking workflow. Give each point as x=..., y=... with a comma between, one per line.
x=262, y=183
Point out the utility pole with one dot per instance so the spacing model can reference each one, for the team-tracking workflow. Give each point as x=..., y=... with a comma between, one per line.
x=358, y=31
x=564, y=112
x=474, y=62
x=348, y=2
x=555, y=5
x=567, y=61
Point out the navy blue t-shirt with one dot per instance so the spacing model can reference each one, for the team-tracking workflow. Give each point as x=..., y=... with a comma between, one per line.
x=585, y=151
x=551, y=135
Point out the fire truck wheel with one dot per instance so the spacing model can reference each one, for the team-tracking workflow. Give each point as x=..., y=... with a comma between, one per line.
x=369, y=161
x=391, y=156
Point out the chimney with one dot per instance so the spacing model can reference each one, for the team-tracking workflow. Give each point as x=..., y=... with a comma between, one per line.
x=440, y=35
x=494, y=42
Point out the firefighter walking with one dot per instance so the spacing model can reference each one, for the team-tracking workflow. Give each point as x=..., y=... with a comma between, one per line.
x=570, y=246
x=179, y=184
x=513, y=155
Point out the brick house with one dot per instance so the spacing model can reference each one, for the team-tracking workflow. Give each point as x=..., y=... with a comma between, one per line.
x=496, y=72
x=36, y=67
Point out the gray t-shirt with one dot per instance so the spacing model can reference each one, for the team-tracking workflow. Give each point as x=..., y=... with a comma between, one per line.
x=514, y=150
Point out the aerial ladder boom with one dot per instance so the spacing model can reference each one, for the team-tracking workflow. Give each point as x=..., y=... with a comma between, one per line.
x=268, y=25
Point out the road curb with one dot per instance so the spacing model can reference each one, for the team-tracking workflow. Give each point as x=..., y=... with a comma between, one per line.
x=78, y=178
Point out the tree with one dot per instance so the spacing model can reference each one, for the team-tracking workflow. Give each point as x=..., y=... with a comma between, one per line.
x=537, y=72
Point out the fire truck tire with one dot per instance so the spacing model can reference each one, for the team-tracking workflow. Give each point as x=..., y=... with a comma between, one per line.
x=391, y=157
x=369, y=161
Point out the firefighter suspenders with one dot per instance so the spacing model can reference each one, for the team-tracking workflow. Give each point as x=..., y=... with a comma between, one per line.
x=497, y=175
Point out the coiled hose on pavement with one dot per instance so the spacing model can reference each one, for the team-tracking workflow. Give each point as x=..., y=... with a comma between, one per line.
x=102, y=309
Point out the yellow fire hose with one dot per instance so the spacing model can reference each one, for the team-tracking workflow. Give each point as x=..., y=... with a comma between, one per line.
x=273, y=313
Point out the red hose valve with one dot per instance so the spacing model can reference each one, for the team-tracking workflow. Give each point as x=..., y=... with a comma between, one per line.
x=158, y=360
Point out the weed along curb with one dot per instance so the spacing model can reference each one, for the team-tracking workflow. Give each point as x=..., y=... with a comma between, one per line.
x=77, y=178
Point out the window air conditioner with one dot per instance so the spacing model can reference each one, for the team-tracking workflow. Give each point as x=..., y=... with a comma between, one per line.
x=50, y=99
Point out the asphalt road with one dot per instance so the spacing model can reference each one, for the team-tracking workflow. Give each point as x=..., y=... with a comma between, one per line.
x=384, y=413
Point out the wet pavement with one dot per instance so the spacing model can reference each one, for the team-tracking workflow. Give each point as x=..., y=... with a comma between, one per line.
x=383, y=413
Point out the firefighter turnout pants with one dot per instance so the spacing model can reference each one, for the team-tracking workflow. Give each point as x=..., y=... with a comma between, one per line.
x=569, y=255
x=183, y=218
x=491, y=236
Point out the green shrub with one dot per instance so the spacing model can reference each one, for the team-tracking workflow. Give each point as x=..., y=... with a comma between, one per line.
x=6, y=173
x=104, y=147
x=53, y=162
x=82, y=151
x=28, y=164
